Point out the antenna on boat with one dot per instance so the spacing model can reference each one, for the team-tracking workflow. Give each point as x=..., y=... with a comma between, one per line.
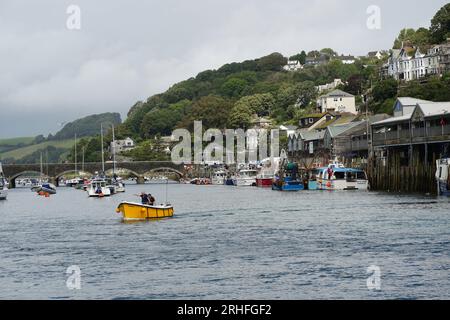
x=167, y=184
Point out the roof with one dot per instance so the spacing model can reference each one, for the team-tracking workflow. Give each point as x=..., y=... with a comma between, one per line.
x=337, y=93
x=429, y=109
x=336, y=130
x=408, y=101
x=344, y=119
x=434, y=108
x=314, y=115
x=312, y=135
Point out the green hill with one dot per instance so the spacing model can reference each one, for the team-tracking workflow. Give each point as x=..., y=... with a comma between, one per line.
x=17, y=154
x=87, y=126
x=14, y=143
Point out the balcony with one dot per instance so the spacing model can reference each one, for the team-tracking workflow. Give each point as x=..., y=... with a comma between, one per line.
x=415, y=135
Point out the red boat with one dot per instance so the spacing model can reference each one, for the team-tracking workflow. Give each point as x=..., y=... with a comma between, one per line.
x=262, y=182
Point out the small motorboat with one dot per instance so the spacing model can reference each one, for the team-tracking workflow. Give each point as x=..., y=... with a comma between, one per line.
x=337, y=177
x=97, y=188
x=138, y=211
x=218, y=177
x=45, y=188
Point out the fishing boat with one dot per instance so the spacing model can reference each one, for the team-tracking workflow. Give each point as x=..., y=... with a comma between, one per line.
x=443, y=176
x=137, y=211
x=266, y=174
x=245, y=178
x=97, y=188
x=3, y=185
x=287, y=176
x=218, y=177
x=337, y=177
x=287, y=179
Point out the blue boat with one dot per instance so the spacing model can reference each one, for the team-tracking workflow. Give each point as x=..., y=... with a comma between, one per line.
x=287, y=179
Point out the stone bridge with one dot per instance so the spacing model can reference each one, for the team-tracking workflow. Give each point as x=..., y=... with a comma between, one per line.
x=56, y=170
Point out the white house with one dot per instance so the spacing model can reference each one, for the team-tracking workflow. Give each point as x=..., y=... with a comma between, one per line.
x=346, y=59
x=122, y=145
x=337, y=101
x=375, y=54
x=293, y=65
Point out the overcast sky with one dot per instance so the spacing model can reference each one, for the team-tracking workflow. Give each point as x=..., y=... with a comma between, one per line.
x=128, y=50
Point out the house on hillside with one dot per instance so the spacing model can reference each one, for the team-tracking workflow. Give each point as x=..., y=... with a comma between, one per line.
x=293, y=65
x=410, y=63
x=375, y=54
x=310, y=121
x=330, y=86
x=337, y=101
x=346, y=59
x=118, y=146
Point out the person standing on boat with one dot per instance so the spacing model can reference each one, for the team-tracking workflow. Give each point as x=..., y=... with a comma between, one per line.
x=330, y=173
x=151, y=200
x=144, y=198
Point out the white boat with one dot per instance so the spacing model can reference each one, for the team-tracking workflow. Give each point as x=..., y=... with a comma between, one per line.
x=3, y=185
x=245, y=178
x=337, y=177
x=443, y=176
x=97, y=188
x=218, y=177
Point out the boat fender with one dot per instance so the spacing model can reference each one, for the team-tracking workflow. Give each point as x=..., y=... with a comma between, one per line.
x=142, y=210
x=118, y=210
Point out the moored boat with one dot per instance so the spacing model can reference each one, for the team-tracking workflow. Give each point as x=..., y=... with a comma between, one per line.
x=287, y=179
x=245, y=178
x=3, y=185
x=137, y=211
x=218, y=177
x=266, y=174
x=97, y=188
x=443, y=176
x=337, y=177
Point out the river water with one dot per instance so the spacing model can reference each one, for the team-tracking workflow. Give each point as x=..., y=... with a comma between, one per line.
x=226, y=243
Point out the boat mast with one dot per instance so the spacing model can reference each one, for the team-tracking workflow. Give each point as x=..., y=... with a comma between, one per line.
x=103, y=154
x=114, y=150
x=75, y=153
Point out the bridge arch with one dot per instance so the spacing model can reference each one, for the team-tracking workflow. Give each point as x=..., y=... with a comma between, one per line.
x=132, y=172
x=167, y=169
x=12, y=179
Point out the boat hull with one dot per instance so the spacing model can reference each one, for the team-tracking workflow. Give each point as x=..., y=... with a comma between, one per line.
x=137, y=211
x=264, y=182
x=3, y=194
x=291, y=186
x=244, y=182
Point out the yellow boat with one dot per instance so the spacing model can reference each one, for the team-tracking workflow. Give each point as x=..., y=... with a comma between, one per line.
x=137, y=211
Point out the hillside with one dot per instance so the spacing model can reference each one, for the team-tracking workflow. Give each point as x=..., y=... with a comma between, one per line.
x=14, y=143
x=234, y=94
x=20, y=153
x=87, y=126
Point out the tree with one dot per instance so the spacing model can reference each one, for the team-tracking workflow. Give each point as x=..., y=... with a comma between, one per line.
x=259, y=104
x=411, y=37
x=299, y=57
x=329, y=52
x=240, y=116
x=440, y=25
x=384, y=90
x=163, y=121
x=272, y=62
x=233, y=87
x=212, y=110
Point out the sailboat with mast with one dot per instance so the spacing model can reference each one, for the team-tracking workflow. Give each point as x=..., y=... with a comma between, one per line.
x=3, y=185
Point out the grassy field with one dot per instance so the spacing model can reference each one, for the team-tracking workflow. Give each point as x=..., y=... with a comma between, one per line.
x=22, y=152
x=16, y=141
